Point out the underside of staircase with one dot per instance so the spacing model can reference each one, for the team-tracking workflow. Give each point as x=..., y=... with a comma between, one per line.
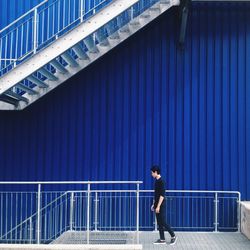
x=44, y=70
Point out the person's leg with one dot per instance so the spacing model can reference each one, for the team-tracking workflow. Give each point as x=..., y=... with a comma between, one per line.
x=164, y=224
x=160, y=223
x=169, y=229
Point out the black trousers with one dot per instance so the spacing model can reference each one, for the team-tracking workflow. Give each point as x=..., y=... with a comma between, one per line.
x=162, y=224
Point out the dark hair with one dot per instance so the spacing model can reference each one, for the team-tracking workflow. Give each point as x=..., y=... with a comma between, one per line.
x=156, y=168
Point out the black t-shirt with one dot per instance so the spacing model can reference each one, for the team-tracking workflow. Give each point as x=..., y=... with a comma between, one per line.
x=159, y=191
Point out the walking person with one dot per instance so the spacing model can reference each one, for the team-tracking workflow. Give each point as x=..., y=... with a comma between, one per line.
x=159, y=207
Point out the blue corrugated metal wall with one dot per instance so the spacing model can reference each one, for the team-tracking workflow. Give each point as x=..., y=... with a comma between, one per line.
x=147, y=102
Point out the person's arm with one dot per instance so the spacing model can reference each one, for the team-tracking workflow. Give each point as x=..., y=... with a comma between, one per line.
x=157, y=210
x=162, y=193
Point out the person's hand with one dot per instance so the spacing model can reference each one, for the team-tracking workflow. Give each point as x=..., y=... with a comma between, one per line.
x=157, y=210
x=152, y=208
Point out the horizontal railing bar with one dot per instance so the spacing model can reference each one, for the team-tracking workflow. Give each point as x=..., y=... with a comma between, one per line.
x=196, y=191
x=68, y=182
x=8, y=59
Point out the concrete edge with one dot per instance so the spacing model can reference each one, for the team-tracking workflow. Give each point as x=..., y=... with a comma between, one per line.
x=69, y=246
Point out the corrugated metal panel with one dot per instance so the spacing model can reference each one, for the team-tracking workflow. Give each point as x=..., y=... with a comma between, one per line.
x=147, y=102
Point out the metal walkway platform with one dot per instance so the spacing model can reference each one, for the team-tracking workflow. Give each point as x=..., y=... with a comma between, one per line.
x=194, y=240
x=186, y=240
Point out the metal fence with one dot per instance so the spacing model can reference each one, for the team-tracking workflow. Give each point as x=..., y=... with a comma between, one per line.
x=43, y=216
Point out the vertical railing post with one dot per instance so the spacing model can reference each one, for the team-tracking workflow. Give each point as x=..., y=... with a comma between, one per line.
x=132, y=13
x=35, y=31
x=137, y=212
x=216, y=212
x=81, y=10
x=239, y=212
x=155, y=223
x=38, y=214
x=30, y=221
x=88, y=213
x=71, y=210
x=96, y=210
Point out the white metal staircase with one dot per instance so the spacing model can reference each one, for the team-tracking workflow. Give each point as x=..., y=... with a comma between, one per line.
x=50, y=59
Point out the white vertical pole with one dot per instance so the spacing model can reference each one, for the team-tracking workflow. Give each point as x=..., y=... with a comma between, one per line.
x=137, y=213
x=71, y=210
x=30, y=220
x=216, y=212
x=35, y=31
x=88, y=213
x=96, y=210
x=38, y=213
x=239, y=213
x=155, y=224
x=81, y=11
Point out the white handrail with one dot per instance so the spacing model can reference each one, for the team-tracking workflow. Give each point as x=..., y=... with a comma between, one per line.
x=68, y=182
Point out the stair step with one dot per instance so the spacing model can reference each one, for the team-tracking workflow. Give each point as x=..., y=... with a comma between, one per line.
x=90, y=44
x=37, y=81
x=164, y=2
x=58, y=66
x=80, y=52
x=102, y=37
x=8, y=99
x=145, y=14
x=16, y=96
x=47, y=74
x=155, y=7
x=69, y=59
x=26, y=89
x=112, y=28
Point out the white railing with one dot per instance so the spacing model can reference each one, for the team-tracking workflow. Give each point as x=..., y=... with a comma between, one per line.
x=200, y=210
x=42, y=216
x=40, y=26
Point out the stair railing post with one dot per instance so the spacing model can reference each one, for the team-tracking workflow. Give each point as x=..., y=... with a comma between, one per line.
x=71, y=210
x=81, y=10
x=137, y=212
x=35, y=30
x=88, y=213
x=38, y=236
x=216, y=212
x=96, y=210
x=31, y=229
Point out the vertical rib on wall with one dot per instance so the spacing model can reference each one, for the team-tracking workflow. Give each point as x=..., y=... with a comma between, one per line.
x=147, y=102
